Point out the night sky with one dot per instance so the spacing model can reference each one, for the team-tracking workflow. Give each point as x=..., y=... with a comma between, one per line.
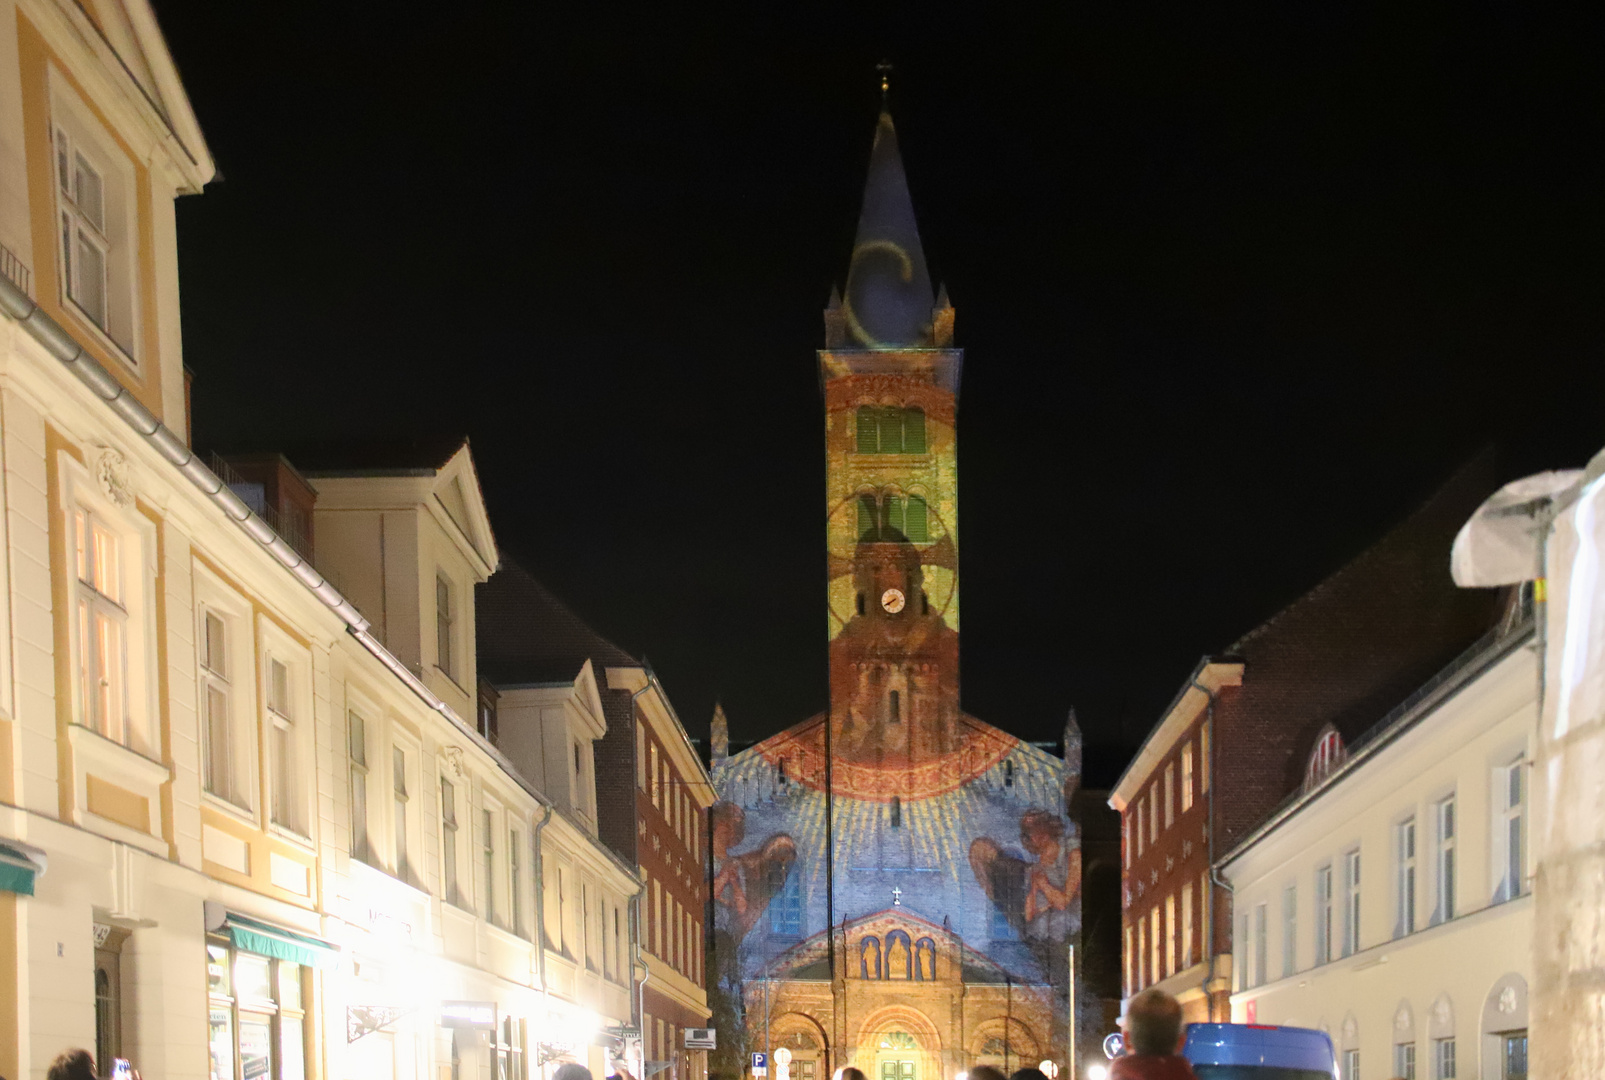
x=1236, y=292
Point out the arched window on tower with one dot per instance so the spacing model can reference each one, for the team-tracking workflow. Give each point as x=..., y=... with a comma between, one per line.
x=889, y=430
x=1327, y=755
x=893, y=519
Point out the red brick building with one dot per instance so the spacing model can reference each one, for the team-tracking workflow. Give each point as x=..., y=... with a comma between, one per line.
x=1249, y=727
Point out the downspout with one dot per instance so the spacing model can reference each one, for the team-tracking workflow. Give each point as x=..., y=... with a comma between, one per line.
x=1214, y=880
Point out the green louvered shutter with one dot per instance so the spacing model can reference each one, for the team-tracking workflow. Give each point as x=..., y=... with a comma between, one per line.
x=868, y=421
x=891, y=431
x=915, y=525
x=913, y=431
x=866, y=518
x=894, y=518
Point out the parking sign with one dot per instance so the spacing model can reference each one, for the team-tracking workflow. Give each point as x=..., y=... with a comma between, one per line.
x=760, y=1064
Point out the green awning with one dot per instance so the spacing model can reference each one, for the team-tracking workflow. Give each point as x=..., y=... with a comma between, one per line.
x=265, y=939
x=17, y=870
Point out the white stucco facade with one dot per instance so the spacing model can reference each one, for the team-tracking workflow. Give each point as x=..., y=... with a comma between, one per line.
x=1420, y=967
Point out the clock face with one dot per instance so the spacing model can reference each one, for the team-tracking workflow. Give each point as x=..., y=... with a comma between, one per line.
x=892, y=600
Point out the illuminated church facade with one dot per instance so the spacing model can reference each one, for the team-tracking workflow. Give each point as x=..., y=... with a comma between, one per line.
x=896, y=884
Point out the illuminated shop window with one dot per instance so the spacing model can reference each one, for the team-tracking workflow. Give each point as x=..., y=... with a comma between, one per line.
x=256, y=1015
x=890, y=430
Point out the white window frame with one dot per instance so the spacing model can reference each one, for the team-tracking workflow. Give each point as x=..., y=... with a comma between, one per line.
x=449, y=821
x=1404, y=1060
x=1325, y=924
x=1445, y=825
x=1443, y=1058
x=1352, y=883
x=515, y=831
x=137, y=729
x=75, y=129
x=405, y=822
x=1510, y=818
x=1261, y=943
x=1406, y=846
x=287, y=803
x=215, y=599
x=360, y=776
x=446, y=629
x=488, y=827
x=1290, y=929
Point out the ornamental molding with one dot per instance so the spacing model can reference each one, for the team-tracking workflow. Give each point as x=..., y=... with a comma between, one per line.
x=454, y=760
x=112, y=476
x=1507, y=1000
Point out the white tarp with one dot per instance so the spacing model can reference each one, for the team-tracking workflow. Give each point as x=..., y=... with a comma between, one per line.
x=1499, y=545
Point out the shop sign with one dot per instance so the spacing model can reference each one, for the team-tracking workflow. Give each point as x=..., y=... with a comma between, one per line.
x=468, y=1014
x=701, y=1039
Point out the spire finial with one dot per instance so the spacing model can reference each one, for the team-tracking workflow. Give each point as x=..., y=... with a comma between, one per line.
x=884, y=69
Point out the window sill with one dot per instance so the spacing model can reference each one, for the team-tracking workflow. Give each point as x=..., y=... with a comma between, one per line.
x=243, y=814
x=100, y=335
x=291, y=836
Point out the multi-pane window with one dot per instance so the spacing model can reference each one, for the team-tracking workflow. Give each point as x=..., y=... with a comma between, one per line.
x=357, y=740
x=1170, y=794
x=443, y=626
x=892, y=519
x=487, y=833
x=1323, y=914
x=1186, y=777
x=1404, y=1060
x=1513, y=1060
x=1153, y=813
x=1443, y=1059
x=1351, y=902
x=1406, y=900
x=515, y=883
x=282, y=744
x=1443, y=868
x=102, y=627
x=448, y=841
x=1351, y=1065
x=1153, y=943
x=1261, y=934
x=1170, y=935
x=1142, y=833
x=217, y=693
x=398, y=786
x=257, y=1015
x=890, y=430
x=657, y=779
x=1289, y=930
x=85, y=244
x=1187, y=924
x=1511, y=839
x=786, y=907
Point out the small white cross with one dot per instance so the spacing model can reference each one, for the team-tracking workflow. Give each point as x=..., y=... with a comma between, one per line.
x=897, y=897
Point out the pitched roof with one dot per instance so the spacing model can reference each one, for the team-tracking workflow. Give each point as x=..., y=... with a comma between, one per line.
x=888, y=285
x=1353, y=647
x=402, y=455
x=527, y=635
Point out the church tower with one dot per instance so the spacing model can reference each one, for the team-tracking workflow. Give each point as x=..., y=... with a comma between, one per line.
x=890, y=376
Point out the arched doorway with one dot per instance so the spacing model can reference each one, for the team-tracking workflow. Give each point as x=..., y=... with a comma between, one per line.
x=899, y=1043
x=804, y=1039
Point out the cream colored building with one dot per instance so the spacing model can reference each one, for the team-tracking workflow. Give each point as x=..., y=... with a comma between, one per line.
x=1389, y=903
x=249, y=827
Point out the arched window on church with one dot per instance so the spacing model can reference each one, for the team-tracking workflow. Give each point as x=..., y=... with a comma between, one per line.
x=1327, y=755
x=889, y=430
x=899, y=955
x=925, y=960
x=785, y=905
x=869, y=958
x=893, y=519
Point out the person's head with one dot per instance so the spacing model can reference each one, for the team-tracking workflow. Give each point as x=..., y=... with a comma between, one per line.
x=72, y=1065
x=571, y=1071
x=1029, y=1073
x=987, y=1072
x=1153, y=1023
x=847, y=1072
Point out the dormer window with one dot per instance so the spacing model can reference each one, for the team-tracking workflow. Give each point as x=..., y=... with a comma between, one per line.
x=1328, y=754
x=84, y=244
x=443, y=622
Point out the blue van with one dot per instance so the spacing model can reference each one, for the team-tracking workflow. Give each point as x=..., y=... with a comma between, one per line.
x=1259, y=1052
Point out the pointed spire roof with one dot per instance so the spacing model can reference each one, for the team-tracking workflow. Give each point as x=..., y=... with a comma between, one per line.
x=888, y=301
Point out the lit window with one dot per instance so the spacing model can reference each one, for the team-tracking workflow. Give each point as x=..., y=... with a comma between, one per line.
x=448, y=841
x=282, y=744
x=1170, y=935
x=102, y=627
x=1187, y=924
x=257, y=1014
x=1170, y=794
x=1186, y=777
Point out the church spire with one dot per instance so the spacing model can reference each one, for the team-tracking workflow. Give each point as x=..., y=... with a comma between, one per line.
x=888, y=303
